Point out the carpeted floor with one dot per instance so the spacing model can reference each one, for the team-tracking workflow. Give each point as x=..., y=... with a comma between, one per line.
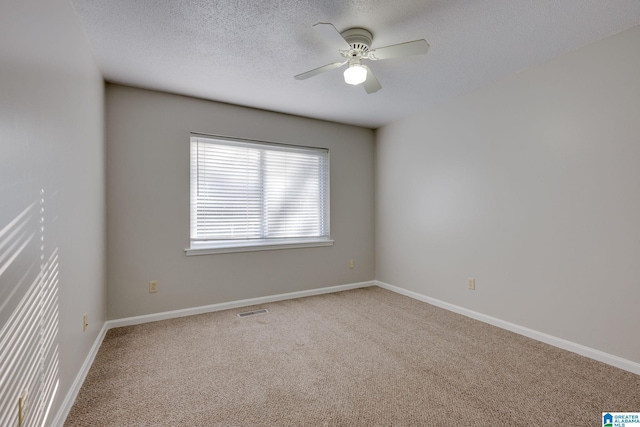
x=366, y=357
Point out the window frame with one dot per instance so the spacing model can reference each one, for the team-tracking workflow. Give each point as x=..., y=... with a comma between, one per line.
x=210, y=247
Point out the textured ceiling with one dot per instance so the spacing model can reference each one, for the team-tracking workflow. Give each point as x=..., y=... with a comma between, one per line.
x=246, y=52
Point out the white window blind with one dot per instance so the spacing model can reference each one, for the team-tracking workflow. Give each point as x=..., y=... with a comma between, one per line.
x=251, y=193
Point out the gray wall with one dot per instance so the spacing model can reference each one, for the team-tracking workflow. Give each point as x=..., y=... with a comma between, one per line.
x=531, y=186
x=52, y=170
x=148, y=205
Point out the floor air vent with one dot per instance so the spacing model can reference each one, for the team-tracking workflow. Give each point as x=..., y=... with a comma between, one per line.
x=253, y=312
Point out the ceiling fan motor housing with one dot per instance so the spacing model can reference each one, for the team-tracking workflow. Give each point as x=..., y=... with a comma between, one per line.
x=359, y=39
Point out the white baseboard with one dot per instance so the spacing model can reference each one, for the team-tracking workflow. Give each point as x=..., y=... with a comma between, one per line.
x=127, y=321
x=70, y=398
x=580, y=349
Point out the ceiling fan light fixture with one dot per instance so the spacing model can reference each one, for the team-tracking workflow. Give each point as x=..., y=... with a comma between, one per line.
x=354, y=45
x=355, y=74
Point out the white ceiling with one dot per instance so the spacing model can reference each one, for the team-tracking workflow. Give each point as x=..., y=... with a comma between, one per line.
x=246, y=52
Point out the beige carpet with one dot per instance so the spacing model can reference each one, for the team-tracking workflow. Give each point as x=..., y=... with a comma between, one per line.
x=366, y=357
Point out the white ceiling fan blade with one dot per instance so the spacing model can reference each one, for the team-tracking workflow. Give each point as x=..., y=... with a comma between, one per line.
x=415, y=47
x=371, y=85
x=330, y=34
x=319, y=70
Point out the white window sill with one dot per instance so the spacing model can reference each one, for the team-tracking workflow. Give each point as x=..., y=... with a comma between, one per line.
x=209, y=248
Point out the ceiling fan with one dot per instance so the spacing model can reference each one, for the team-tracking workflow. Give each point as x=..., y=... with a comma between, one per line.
x=354, y=45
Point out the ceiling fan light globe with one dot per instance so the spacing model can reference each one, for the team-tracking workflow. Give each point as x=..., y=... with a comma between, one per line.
x=355, y=74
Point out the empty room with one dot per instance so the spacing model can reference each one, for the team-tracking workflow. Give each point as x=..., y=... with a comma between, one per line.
x=319, y=213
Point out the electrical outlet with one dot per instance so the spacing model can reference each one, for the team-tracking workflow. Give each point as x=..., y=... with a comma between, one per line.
x=85, y=322
x=352, y=264
x=22, y=408
x=471, y=284
x=153, y=286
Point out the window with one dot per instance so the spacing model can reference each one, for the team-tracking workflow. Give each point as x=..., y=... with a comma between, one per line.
x=251, y=195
